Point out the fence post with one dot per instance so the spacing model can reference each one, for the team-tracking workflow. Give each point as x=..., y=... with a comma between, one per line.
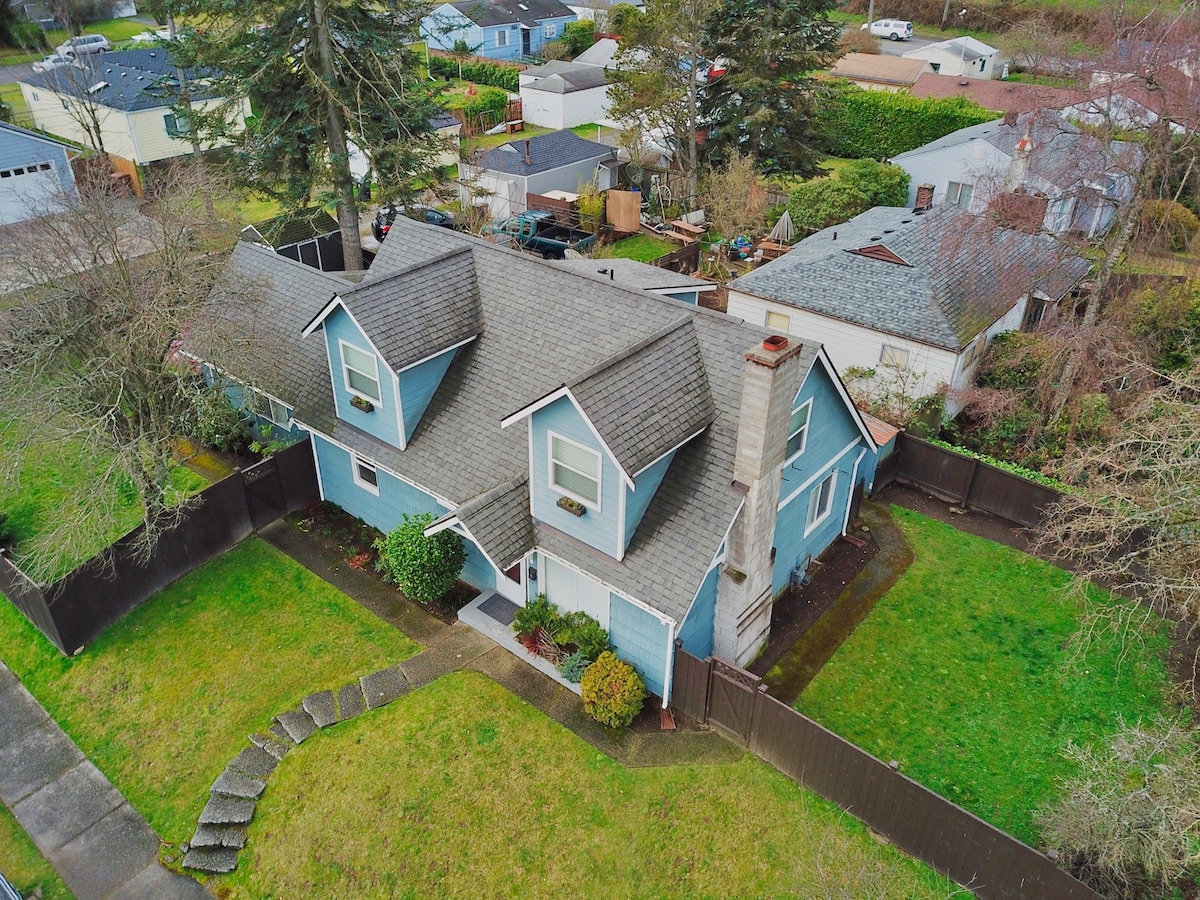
x=970, y=483
x=756, y=717
x=708, y=677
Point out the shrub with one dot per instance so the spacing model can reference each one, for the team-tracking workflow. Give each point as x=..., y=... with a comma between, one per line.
x=554, y=50
x=1169, y=223
x=1169, y=318
x=854, y=40
x=505, y=77
x=823, y=202
x=423, y=567
x=8, y=535
x=221, y=425
x=874, y=124
x=613, y=691
x=584, y=632
x=578, y=36
x=489, y=99
x=538, y=613
x=574, y=666
x=883, y=183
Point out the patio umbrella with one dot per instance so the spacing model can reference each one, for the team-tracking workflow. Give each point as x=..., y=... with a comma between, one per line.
x=783, y=232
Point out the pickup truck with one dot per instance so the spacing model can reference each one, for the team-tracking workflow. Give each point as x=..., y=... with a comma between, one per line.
x=538, y=231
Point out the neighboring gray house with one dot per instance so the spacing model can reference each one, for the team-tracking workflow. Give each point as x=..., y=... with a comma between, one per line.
x=503, y=178
x=913, y=297
x=962, y=57
x=1082, y=178
x=563, y=95
x=629, y=273
x=35, y=173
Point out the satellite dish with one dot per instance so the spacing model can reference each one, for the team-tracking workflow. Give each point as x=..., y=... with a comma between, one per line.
x=634, y=172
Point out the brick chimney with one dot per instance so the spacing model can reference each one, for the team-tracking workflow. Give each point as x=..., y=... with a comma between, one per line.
x=924, y=197
x=1018, y=172
x=770, y=380
x=1010, y=118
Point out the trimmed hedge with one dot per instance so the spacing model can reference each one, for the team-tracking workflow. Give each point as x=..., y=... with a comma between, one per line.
x=493, y=74
x=880, y=124
x=613, y=691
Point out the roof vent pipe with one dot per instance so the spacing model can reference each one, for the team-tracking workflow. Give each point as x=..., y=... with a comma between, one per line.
x=835, y=235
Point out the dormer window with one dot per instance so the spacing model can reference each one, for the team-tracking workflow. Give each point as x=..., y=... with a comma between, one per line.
x=361, y=371
x=798, y=429
x=575, y=470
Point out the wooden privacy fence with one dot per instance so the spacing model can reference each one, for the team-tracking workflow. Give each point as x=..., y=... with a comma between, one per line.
x=76, y=608
x=923, y=824
x=967, y=481
x=685, y=260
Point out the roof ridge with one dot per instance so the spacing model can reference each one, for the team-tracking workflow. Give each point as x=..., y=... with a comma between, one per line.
x=415, y=267
x=286, y=261
x=629, y=351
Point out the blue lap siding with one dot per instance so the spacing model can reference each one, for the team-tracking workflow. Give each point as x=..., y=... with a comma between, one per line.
x=640, y=639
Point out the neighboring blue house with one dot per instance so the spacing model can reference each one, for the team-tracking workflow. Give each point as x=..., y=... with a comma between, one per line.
x=35, y=174
x=497, y=29
x=704, y=470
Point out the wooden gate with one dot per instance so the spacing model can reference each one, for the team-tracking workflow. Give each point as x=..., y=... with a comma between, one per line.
x=731, y=699
x=264, y=493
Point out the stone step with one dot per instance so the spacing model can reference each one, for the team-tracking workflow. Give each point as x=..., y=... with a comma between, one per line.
x=281, y=733
x=221, y=810
x=213, y=860
x=350, y=701
x=382, y=687
x=208, y=836
x=234, y=784
x=272, y=745
x=320, y=707
x=298, y=724
x=254, y=762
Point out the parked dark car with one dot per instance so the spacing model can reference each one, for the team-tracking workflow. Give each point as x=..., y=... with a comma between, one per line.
x=7, y=891
x=419, y=211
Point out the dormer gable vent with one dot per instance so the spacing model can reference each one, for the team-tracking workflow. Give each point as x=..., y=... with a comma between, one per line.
x=882, y=253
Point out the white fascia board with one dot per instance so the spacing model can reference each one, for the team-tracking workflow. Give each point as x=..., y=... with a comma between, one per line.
x=841, y=389
x=661, y=616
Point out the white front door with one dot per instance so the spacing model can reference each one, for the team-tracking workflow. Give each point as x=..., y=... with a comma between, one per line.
x=511, y=582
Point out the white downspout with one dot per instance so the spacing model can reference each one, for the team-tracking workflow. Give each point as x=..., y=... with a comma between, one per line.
x=853, y=482
x=670, y=667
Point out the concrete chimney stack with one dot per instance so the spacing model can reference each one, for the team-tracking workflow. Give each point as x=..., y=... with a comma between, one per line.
x=770, y=380
x=1018, y=172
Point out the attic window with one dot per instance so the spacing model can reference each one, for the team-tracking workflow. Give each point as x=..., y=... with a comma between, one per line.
x=881, y=253
x=361, y=371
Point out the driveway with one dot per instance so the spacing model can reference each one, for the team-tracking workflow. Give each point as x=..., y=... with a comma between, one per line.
x=899, y=48
x=11, y=74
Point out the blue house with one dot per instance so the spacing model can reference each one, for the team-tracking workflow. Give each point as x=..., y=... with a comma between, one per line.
x=663, y=467
x=497, y=29
x=35, y=174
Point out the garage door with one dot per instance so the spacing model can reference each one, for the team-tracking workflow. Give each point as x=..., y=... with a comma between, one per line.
x=571, y=591
x=26, y=191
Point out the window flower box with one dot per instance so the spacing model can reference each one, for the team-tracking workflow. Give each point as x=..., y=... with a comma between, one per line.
x=362, y=403
x=574, y=507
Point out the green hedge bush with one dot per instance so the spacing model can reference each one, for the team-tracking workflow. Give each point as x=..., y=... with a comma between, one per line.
x=1167, y=222
x=489, y=99
x=880, y=124
x=422, y=567
x=613, y=691
x=505, y=77
x=578, y=36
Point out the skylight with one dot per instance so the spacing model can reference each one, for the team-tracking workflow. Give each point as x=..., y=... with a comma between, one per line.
x=98, y=86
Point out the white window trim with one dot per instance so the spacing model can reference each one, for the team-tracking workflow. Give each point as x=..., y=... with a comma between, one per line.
x=774, y=312
x=807, y=426
x=969, y=185
x=816, y=523
x=884, y=348
x=502, y=37
x=550, y=463
x=355, y=462
x=271, y=403
x=347, y=368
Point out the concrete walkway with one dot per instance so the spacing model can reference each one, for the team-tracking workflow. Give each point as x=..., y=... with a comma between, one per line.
x=98, y=843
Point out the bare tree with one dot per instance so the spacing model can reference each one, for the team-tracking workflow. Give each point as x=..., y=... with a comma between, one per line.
x=733, y=198
x=88, y=351
x=1129, y=820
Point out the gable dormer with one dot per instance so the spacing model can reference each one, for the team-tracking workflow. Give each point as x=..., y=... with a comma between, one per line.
x=391, y=341
x=601, y=444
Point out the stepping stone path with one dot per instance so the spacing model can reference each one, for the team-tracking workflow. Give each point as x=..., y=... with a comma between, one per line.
x=221, y=831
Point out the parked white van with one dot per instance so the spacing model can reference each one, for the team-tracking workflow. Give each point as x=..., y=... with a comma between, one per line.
x=83, y=44
x=892, y=29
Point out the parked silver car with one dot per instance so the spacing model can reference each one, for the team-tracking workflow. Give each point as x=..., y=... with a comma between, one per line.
x=54, y=61
x=83, y=44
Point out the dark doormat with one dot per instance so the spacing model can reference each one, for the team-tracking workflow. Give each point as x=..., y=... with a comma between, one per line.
x=499, y=608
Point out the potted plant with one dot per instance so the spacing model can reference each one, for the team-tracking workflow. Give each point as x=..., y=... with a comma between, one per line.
x=574, y=507
x=362, y=403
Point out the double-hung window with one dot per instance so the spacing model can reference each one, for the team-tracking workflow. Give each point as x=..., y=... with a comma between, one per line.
x=959, y=193
x=820, y=502
x=798, y=429
x=361, y=371
x=502, y=38
x=575, y=470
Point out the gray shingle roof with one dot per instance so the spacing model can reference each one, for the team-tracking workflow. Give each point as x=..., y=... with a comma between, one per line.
x=441, y=308
x=499, y=521
x=511, y=12
x=963, y=273
x=633, y=274
x=546, y=153
x=565, y=78
x=542, y=328
x=271, y=298
x=132, y=79
x=648, y=398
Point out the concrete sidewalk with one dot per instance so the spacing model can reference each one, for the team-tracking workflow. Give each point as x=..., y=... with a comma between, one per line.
x=98, y=843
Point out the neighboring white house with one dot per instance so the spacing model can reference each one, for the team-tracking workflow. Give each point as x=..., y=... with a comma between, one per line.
x=914, y=298
x=35, y=174
x=1083, y=179
x=563, y=95
x=131, y=93
x=603, y=53
x=963, y=57
x=560, y=161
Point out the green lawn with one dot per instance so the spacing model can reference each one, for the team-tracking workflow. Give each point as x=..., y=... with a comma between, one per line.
x=642, y=247
x=491, y=141
x=164, y=699
x=462, y=789
x=47, y=485
x=10, y=96
x=961, y=673
x=23, y=865
x=116, y=30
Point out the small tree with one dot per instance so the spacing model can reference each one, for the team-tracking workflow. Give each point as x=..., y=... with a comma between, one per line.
x=733, y=198
x=423, y=567
x=1129, y=821
x=613, y=692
